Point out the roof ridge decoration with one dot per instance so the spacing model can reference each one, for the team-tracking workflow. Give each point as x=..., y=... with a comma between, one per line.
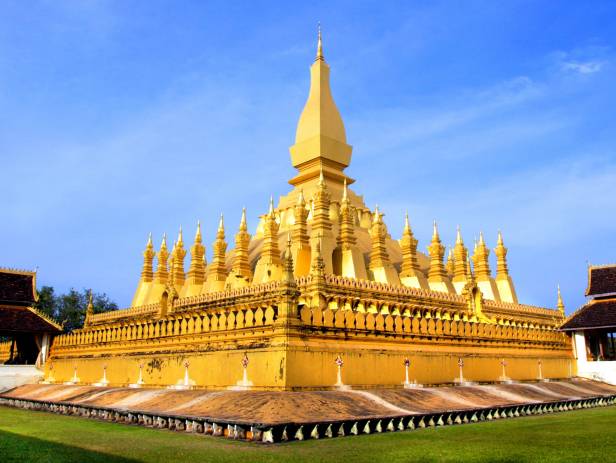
x=46, y=317
x=18, y=270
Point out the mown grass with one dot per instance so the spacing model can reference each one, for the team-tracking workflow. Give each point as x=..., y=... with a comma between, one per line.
x=579, y=436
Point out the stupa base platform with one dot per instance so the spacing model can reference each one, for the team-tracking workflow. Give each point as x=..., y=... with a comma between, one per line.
x=284, y=416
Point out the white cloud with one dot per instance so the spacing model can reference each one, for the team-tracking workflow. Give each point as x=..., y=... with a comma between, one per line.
x=588, y=67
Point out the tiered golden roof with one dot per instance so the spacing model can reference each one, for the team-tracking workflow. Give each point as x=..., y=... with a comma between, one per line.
x=354, y=240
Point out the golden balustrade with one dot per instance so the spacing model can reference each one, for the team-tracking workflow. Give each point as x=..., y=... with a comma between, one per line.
x=180, y=324
x=407, y=324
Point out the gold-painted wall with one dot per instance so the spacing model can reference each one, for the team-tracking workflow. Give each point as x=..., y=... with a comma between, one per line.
x=292, y=335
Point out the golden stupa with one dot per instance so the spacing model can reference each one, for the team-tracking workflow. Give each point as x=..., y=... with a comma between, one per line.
x=321, y=296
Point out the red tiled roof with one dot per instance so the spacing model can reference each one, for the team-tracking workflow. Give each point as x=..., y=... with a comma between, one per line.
x=14, y=319
x=17, y=287
x=601, y=280
x=598, y=313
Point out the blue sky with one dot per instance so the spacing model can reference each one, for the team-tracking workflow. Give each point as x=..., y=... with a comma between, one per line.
x=124, y=117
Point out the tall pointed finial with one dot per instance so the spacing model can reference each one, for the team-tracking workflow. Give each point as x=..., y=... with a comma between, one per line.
x=319, y=44
x=149, y=243
x=89, y=309
x=345, y=195
x=198, y=233
x=164, y=243
x=377, y=214
x=91, y=304
x=560, y=305
x=221, y=223
x=318, y=266
x=288, y=262
x=469, y=272
x=300, y=198
x=321, y=177
x=180, y=237
x=458, y=236
x=481, y=241
x=243, y=224
x=499, y=241
x=434, y=230
x=271, y=206
x=407, y=225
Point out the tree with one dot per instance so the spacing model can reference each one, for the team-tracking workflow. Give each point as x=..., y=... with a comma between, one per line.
x=70, y=308
x=47, y=301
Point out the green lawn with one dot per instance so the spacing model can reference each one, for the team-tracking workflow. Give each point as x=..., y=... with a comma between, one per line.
x=584, y=435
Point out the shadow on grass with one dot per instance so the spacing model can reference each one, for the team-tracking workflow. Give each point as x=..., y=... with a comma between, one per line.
x=18, y=448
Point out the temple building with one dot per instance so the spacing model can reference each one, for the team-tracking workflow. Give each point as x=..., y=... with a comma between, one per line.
x=25, y=333
x=29, y=332
x=320, y=280
x=593, y=326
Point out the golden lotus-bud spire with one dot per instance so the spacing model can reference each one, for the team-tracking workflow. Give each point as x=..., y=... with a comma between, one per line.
x=437, y=252
x=437, y=275
x=322, y=224
x=469, y=271
x=449, y=263
x=318, y=266
x=177, y=262
x=299, y=229
x=270, y=252
x=376, y=216
x=300, y=198
x=501, y=257
x=196, y=271
x=162, y=272
x=480, y=259
x=504, y=281
x=243, y=222
x=217, y=270
x=241, y=264
x=170, y=263
x=486, y=283
x=271, y=210
x=198, y=238
x=147, y=272
x=90, y=310
x=288, y=275
x=380, y=266
x=378, y=233
x=269, y=266
x=410, y=274
x=460, y=272
x=299, y=237
x=220, y=232
x=347, y=222
x=560, y=305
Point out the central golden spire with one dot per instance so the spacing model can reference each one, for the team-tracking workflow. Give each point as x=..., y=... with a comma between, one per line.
x=320, y=139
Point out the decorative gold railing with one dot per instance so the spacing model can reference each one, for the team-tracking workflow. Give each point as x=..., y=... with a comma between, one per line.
x=124, y=313
x=195, y=322
x=407, y=324
x=344, y=303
